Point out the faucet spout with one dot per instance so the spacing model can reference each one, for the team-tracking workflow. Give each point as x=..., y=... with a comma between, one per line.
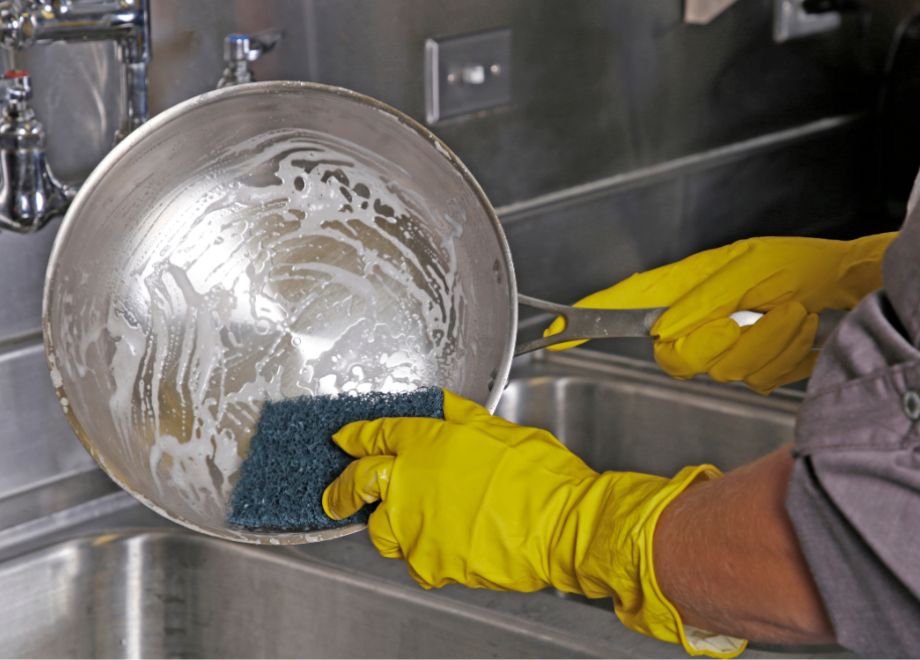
x=24, y=23
x=30, y=195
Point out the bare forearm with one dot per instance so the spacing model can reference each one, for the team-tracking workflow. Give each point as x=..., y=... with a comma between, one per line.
x=727, y=556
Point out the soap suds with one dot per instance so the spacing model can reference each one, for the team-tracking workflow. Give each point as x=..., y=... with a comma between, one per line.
x=307, y=272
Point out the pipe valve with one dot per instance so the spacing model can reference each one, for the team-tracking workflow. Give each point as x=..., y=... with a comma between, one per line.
x=241, y=49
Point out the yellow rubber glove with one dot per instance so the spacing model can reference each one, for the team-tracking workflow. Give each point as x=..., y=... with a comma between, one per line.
x=483, y=502
x=790, y=279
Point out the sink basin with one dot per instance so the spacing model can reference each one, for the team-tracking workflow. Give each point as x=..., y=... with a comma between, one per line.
x=179, y=594
x=651, y=427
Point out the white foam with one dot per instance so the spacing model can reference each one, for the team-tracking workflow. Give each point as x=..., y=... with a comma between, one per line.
x=315, y=271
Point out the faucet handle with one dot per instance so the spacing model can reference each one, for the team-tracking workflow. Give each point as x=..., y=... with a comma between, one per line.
x=240, y=49
x=16, y=87
x=250, y=47
x=15, y=92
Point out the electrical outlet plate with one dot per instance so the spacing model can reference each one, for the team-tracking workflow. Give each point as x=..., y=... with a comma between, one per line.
x=467, y=74
x=790, y=21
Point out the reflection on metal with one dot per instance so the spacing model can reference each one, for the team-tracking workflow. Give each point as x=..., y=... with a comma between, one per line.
x=166, y=593
x=30, y=202
x=24, y=24
x=702, y=12
x=791, y=21
x=29, y=194
x=241, y=49
x=698, y=161
x=616, y=416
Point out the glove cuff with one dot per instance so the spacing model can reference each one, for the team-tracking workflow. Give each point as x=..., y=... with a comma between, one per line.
x=620, y=561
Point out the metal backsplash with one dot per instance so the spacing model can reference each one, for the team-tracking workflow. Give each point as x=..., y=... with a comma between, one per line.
x=606, y=161
x=600, y=87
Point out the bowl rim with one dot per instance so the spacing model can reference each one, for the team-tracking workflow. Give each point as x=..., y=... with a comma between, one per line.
x=124, y=148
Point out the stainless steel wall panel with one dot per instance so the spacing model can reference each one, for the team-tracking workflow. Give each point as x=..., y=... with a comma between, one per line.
x=23, y=259
x=565, y=254
x=820, y=187
x=809, y=181
x=76, y=97
x=599, y=87
x=36, y=441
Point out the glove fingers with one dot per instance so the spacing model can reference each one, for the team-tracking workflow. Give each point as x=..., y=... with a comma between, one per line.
x=660, y=287
x=364, y=481
x=565, y=345
x=382, y=536
x=800, y=371
x=415, y=575
x=748, y=283
x=762, y=343
x=557, y=326
x=699, y=351
x=463, y=411
x=786, y=363
x=665, y=285
x=458, y=409
x=385, y=435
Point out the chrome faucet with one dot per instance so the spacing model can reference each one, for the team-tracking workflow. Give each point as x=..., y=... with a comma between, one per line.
x=29, y=194
x=24, y=23
x=241, y=49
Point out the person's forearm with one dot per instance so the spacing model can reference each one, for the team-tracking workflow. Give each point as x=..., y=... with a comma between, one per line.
x=726, y=555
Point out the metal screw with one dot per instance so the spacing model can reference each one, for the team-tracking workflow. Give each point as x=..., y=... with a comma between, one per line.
x=495, y=69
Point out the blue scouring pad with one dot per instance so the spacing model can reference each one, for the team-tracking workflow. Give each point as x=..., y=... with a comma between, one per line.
x=292, y=458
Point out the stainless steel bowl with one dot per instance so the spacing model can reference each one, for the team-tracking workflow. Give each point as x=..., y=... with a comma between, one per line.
x=265, y=241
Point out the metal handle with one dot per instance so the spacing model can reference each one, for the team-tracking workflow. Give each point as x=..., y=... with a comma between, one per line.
x=583, y=323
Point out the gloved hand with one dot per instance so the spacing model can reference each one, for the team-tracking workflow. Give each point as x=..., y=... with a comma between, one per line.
x=790, y=279
x=478, y=500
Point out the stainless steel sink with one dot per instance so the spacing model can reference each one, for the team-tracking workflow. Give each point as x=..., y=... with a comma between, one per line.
x=87, y=583
x=178, y=594
x=624, y=419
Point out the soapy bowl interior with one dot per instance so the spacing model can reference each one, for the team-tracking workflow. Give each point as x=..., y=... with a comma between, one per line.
x=260, y=242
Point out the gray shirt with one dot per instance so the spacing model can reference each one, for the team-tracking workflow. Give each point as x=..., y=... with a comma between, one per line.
x=854, y=497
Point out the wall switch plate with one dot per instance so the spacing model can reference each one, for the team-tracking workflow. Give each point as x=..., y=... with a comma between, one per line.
x=467, y=74
x=791, y=21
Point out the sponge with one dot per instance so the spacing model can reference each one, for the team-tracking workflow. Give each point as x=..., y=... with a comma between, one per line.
x=292, y=458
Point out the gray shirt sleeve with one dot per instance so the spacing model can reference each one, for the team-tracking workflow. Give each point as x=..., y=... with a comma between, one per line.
x=854, y=496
